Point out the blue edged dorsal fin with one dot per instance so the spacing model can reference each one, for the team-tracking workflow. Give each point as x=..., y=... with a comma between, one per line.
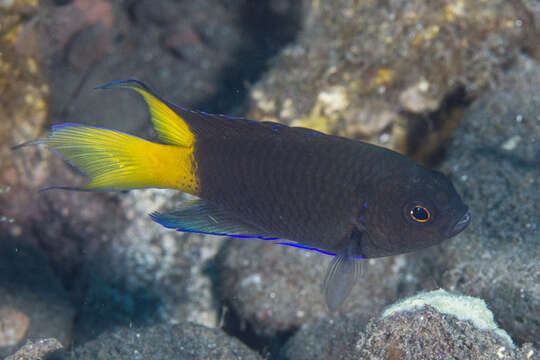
x=176, y=125
x=285, y=129
x=201, y=217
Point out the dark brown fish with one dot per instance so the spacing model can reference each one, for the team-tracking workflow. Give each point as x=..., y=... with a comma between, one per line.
x=265, y=180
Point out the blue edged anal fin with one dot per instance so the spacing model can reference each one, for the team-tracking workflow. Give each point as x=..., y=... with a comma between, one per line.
x=201, y=217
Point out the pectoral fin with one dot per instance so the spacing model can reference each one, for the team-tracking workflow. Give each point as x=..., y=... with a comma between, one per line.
x=340, y=279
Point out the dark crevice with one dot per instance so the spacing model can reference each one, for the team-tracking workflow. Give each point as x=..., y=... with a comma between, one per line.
x=429, y=133
x=132, y=12
x=268, y=346
x=107, y=305
x=269, y=32
x=62, y=2
x=100, y=304
x=232, y=322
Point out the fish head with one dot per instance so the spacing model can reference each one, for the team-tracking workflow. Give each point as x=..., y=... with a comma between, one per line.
x=409, y=211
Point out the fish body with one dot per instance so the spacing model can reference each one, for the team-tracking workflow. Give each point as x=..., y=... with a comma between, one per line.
x=290, y=185
x=307, y=187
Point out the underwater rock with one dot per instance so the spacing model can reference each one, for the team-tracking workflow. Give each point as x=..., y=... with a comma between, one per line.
x=275, y=288
x=392, y=73
x=169, y=44
x=426, y=333
x=14, y=326
x=163, y=263
x=463, y=307
x=53, y=27
x=42, y=349
x=144, y=272
x=430, y=325
x=494, y=161
x=530, y=14
x=33, y=304
x=23, y=110
x=163, y=342
x=330, y=338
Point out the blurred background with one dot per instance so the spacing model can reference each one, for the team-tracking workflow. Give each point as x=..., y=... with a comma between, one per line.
x=454, y=84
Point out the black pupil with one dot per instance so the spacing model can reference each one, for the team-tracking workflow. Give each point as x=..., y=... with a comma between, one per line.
x=420, y=213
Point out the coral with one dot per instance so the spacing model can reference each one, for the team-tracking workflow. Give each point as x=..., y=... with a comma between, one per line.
x=397, y=72
x=461, y=306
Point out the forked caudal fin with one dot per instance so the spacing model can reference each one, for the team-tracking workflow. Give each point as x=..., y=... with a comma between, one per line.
x=114, y=160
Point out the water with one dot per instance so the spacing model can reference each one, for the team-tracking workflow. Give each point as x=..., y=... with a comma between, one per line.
x=452, y=84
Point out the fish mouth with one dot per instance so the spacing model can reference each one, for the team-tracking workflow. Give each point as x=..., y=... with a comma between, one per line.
x=460, y=225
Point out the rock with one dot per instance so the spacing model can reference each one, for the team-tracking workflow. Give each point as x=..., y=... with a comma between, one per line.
x=329, y=338
x=430, y=325
x=33, y=304
x=183, y=341
x=42, y=349
x=146, y=258
x=494, y=161
x=277, y=288
x=23, y=110
x=426, y=333
x=463, y=307
x=530, y=15
x=401, y=69
x=14, y=326
x=89, y=46
x=182, y=60
x=55, y=26
x=142, y=272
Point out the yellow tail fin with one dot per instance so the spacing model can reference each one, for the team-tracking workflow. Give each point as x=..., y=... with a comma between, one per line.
x=114, y=160
x=169, y=125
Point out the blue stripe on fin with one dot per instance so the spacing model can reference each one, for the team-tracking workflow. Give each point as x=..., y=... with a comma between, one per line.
x=305, y=248
x=313, y=249
x=200, y=217
x=134, y=83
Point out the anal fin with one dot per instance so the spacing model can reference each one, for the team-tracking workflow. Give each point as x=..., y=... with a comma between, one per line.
x=201, y=217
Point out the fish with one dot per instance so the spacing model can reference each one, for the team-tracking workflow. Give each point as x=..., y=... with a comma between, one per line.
x=289, y=185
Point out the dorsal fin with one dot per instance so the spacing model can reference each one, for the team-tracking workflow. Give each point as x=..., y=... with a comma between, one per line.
x=178, y=126
x=171, y=127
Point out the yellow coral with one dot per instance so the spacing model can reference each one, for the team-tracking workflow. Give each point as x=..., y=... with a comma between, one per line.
x=453, y=10
x=384, y=76
x=317, y=121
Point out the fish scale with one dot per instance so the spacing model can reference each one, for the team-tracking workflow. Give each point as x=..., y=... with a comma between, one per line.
x=284, y=177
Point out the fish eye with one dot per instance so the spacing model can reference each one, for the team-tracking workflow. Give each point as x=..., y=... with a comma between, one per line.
x=420, y=214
